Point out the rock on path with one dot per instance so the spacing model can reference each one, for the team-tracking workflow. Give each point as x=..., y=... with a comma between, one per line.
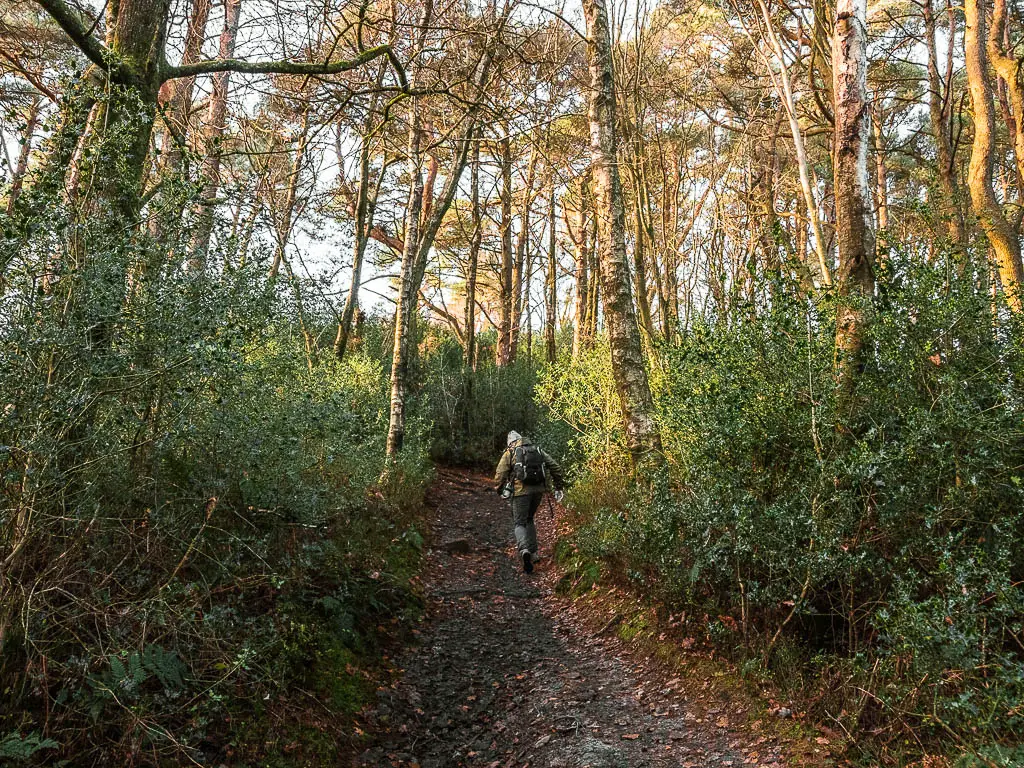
x=505, y=675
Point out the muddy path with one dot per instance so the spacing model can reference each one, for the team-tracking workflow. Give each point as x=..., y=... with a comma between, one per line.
x=507, y=673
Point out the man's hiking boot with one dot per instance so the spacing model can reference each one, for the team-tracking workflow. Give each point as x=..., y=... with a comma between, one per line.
x=527, y=561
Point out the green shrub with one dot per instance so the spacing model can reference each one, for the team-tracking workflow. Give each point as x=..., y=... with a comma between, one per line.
x=198, y=523
x=471, y=412
x=883, y=537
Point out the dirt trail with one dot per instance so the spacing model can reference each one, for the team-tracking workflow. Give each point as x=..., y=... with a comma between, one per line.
x=507, y=674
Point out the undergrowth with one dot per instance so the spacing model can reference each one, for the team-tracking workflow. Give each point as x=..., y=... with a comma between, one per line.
x=863, y=555
x=204, y=551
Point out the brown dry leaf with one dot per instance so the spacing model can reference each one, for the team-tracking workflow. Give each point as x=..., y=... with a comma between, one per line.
x=631, y=736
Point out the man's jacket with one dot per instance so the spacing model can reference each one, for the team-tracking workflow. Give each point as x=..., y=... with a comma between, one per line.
x=504, y=472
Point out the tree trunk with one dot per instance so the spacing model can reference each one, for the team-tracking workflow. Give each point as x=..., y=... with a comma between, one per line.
x=628, y=363
x=522, y=255
x=115, y=145
x=106, y=174
x=594, y=284
x=506, y=278
x=1000, y=234
x=938, y=113
x=581, y=292
x=365, y=206
x=551, y=304
x=178, y=93
x=640, y=267
x=854, y=226
x=881, y=182
x=406, y=290
x=782, y=86
x=416, y=249
x=21, y=168
x=286, y=216
x=469, y=309
x=216, y=124
x=1008, y=69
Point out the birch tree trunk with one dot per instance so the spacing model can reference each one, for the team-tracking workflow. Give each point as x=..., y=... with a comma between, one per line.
x=785, y=91
x=628, y=363
x=855, y=234
x=1000, y=234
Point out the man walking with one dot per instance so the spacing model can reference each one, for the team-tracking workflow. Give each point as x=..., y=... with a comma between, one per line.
x=522, y=475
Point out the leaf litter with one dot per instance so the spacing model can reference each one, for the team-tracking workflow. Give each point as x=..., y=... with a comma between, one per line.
x=506, y=673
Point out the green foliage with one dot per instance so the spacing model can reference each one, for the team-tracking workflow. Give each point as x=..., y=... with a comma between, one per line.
x=873, y=545
x=471, y=412
x=15, y=747
x=199, y=522
x=129, y=671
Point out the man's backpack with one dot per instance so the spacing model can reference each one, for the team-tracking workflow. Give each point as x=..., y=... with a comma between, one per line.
x=528, y=465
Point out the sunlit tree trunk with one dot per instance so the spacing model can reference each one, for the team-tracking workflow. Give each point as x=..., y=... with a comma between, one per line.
x=1000, y=234
x=469, y=308
x=784, y=89
x=624, y=340
x=594, y=284
x=855, y=234
x=881, y=182
x=419, y=240
x=1008, y=69
x=418, y=243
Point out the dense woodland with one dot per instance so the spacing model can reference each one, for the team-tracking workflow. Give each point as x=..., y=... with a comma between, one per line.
x=752, y=267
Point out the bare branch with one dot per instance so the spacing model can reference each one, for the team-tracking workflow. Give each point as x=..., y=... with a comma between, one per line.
x=70, y=21
x=285, y=67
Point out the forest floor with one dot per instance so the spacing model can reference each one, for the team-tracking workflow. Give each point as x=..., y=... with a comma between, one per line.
x=507, y=672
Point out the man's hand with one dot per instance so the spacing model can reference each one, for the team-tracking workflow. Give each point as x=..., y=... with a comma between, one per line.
x=559, y=495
